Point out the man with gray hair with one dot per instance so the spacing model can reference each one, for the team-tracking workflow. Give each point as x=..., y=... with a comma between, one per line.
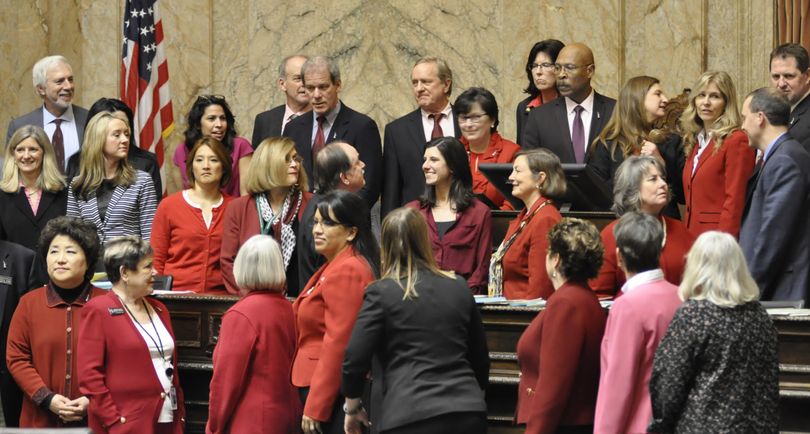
x=331, y=120
x=775, y=231
x=62, y=121
x=272, y=122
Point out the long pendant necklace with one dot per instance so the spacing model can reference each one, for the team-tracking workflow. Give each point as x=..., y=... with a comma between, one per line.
x=158, y=343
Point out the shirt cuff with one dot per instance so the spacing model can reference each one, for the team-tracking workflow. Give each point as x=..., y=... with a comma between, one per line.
x=42, y=397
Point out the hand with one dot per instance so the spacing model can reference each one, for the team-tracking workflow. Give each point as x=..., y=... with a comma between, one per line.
x=651, y=149
x=310, y=425
x=77, y=410
x=354, y=424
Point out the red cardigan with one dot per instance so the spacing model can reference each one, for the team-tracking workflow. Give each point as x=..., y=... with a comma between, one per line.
x=325, y=313
x=715, y=193
x=185, y=248
x=251, y=390
x=116, y=370
x=499, y=150
x=559, y=361
x=466, y=247
x=673, y=259
x=38, y=357
x=524, y=265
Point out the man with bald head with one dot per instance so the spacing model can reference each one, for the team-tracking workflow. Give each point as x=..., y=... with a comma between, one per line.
x=272, y=122
x=569, y=124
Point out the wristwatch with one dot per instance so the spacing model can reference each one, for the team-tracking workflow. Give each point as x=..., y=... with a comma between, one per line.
x=352, y=412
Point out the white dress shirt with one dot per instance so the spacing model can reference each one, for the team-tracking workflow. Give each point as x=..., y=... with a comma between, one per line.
x=446, y=123
x=70, y=134
x=586, y=116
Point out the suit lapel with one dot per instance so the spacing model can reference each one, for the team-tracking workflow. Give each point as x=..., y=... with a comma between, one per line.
x=561, y=114
x=340, y=127
x=21, y=202
x=597, y=118
x=798, y=113
x=707, y=153
x=416, y=131
x=44, y=202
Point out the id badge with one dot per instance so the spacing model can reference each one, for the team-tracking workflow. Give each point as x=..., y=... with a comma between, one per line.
x=173, y=397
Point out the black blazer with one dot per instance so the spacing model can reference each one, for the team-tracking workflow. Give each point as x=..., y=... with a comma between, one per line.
x=20, y=272
x=404, y=146
x=547, y=126
x=267, y=124
x=521, y=115
x=18, y=223
x=800, y=123
x=432, y=349
x=140, y=159
x=352, y=127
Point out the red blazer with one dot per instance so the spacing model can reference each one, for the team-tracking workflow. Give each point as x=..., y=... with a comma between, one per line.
x=116, y=370
x=524, y=265
x=240, y=223
x=466, y=247
x=499, y=150
x=717, y=200
x=325, y=313
x=251, y=391
x=559, y=361
x=673, y=258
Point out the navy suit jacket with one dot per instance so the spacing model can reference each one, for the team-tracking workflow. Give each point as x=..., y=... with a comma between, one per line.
x=35, y=118
x=775, y=232
x=267, y=124
x=355, y=129
x=547, y=126
x=800, y=123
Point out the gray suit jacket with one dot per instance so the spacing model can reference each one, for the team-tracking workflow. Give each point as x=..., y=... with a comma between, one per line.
x=35, y=118
x=775, y=232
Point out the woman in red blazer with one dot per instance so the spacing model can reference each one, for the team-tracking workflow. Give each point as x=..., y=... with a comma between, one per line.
x=559, y=351
x=459, y=225
x=327, y=307
x=276, y=199
x=640, y=185
x=127, y=358
x=251, y=391
x=516, y=270
x=719, y=160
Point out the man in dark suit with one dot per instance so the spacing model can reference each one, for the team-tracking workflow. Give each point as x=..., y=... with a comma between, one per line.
x=775, y=232
x=790, y=73
x=405, y=138
x=272, y=122
x=53, y=80
x=567, y=126
x=332, y=120
x=20, y=271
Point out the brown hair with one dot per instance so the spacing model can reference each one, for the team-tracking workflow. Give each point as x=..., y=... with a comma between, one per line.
x=542, y=160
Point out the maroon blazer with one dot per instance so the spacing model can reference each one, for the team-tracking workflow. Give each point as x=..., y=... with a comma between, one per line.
x=116, y=371
x=715, y=192
x=466, y=247
x=559, y=361
x=251, y=391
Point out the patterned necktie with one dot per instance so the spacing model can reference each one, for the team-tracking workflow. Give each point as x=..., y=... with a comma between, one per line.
x=319, y=142
x=437, y=127
x=578, y=135
x=58, y=142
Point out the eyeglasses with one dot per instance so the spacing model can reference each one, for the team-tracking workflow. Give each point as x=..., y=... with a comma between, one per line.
x=546, y=66
x=476, y=118
x=297, y=158
x=569, y=67
x=213, y=99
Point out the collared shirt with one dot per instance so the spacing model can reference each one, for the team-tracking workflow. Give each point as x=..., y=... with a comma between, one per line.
x=769, y=148
x=642, y=278
x=289, y=114
x=70, y=134
x=446, y=123
x=703, y=142
x=327, y=123
x=33, y=197
x=586, y=116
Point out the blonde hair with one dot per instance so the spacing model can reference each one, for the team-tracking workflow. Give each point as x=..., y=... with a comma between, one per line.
x=268, y=167
x=91, y=163
x=258, y=265
x=716, y=271
x=49, y=177
x=628, y=124
x=405, y=248
x=730, y=120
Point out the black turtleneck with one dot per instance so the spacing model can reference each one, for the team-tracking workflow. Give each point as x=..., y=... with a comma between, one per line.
x=69, y=295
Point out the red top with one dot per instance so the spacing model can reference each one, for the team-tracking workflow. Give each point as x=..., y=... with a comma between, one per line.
x=251, y=390
x=717, y=200
x=558, y=356
x=185, y=248
x=499, y=150
x=673, y=258
x=466, y=247
x=524, y=264
x=37, y=353
x=325, y=313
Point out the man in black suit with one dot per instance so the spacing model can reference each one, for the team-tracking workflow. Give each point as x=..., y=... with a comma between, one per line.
x=20, y=271
x=272, y=122
x=405, y=138
x=53, y=80
x=790, y=73
x=331, y=120
x=567, y=126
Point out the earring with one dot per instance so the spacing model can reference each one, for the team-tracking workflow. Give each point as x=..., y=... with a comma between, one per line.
x=554, y=273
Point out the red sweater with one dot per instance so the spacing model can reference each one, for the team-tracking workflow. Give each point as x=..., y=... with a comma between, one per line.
x=499, y=150
x=185, y=248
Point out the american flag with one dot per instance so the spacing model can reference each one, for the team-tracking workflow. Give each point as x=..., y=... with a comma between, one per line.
x=145, y=76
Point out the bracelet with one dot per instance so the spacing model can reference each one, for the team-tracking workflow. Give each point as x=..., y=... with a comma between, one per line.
x=352, y=412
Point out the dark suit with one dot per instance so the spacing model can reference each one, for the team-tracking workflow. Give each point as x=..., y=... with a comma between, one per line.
x=547, y=126
x=775, y=233
x=432, y=347
x=20, y=271
x=355, y=129
x=18, y=223
x=521, y=115
x=267, y=124
x=35, y=118
x=140, y=159
x=800, y=123
x=404, y=149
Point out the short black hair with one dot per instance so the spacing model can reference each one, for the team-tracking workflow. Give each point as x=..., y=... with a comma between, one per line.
x=796, y=51
x=483, y=97
x=79, y=230
x=639, y=237
x=350, y=210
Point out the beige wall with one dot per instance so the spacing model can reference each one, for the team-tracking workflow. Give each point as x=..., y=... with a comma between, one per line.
x=233, y=47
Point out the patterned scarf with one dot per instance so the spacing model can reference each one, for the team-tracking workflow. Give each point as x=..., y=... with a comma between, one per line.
x=280, y=225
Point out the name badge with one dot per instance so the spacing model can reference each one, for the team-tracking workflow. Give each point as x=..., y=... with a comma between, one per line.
x=173, y=397
x=115, y=311
x=6, y=280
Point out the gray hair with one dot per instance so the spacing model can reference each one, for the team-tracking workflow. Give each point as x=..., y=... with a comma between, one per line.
x=259, y=265
x=125, y=252
x=639, y=237
x=627, y=182
x=318, y=62
x=282, y=67
x=330, y=163
x=41, y=68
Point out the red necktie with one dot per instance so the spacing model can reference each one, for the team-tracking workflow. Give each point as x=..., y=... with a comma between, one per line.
x=578, y=135
x=437, y=128
x=58, y=142
x=317, y=145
